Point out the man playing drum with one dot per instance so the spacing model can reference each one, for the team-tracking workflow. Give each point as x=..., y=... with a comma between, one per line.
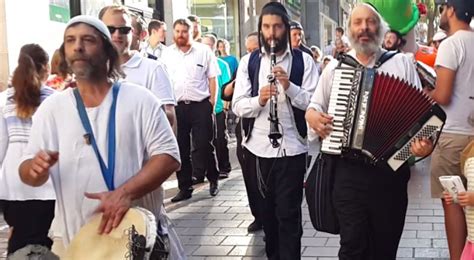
x=106, y=145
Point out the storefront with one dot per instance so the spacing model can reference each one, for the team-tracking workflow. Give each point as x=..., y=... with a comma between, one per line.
x=219, y=17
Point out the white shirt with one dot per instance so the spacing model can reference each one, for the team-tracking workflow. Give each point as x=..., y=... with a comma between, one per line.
x=244, y=105
x=150, y=74
x=453, y=54
x=142, y=131
x=190, y=71
x=399, y=65
x=157, y=51
x=14, y=133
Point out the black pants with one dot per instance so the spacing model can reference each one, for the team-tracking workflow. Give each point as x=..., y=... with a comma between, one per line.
x=282, y=204
x=31, y=220
x=220, y=142
x=196, y=119
x=239, y=151
x=370, y=204
x=251, y=184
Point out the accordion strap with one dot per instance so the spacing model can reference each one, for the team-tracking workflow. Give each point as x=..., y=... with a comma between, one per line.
x=351, y=61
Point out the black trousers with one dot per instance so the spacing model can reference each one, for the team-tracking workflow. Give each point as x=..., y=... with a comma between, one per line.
x=220, y=143
x=249, y=173
x=239, y=151
x=370, y=204
x=31, y=220
x=195, y=118
x=282, y=204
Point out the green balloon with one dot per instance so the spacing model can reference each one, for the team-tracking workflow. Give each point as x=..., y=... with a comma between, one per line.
x=401, y=15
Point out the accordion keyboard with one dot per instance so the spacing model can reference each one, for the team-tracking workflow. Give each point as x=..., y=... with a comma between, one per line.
x=344, y=80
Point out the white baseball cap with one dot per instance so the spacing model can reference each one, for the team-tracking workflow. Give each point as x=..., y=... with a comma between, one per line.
x=92, y=21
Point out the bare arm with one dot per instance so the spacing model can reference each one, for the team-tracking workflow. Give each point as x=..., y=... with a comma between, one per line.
x=114, y=204
x=171, y=115
x=35, y=172
x=212, y=89
x=444, y=85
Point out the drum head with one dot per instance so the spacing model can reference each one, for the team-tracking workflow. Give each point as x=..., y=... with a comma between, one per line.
x=88, y=244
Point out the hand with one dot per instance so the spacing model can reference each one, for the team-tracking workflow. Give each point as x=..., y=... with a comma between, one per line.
x=282, y=77
x=320, y=122
x=113, y=205
x=211, y=100
x=266, y=93
x=466, y=198
x=41, y=163
x=421, y=147
x=448, y=198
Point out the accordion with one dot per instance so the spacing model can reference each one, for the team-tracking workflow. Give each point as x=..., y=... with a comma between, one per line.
x=377, y=116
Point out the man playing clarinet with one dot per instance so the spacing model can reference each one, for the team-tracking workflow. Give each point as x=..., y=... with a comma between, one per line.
x=275, y=150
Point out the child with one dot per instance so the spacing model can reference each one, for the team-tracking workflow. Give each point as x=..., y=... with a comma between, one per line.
x=466, y=200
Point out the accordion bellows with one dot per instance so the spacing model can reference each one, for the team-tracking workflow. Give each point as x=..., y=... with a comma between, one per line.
x=377, y=116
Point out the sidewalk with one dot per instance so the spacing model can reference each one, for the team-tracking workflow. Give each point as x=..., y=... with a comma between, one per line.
x=216, y=227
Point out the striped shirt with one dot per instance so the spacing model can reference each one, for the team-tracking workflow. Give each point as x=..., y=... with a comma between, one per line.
x=469, y=210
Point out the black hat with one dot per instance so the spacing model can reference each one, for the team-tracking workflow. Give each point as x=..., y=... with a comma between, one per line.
x=295, y=25
x=275, y=8
x=463, y=8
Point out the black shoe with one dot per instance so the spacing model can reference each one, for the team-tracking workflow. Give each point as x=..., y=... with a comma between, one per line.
x=223, y=175
x=182, y=195
x=213, y=188
x=254, y=227
x=197, y=180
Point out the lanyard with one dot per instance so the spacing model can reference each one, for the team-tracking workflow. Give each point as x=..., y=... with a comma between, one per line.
x=107, y=172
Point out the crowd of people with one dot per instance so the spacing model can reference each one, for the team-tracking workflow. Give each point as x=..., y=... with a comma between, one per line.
x=121, y=112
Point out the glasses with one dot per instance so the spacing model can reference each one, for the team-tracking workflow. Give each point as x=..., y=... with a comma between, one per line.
x=442, y=7
x=122, y=30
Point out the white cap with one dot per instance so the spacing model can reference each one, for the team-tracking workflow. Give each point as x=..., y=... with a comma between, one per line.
x=439, y=35
x=92, y=21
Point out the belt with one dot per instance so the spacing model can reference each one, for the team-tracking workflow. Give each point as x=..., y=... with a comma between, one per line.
x=187, y=102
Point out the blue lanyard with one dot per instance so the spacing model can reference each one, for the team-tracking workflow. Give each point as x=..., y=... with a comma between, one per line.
x=107, y=172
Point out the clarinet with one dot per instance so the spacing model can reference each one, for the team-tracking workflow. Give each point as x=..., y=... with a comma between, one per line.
x=274, y=134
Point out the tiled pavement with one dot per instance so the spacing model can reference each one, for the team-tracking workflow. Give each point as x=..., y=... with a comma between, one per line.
x=216, y=228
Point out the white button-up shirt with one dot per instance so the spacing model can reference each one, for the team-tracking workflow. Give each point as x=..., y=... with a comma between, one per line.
x=152, y=75
x=246, y=106
x=157, y=51
x=190, y=71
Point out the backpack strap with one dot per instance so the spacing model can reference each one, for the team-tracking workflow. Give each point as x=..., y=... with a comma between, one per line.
x=296, y=76
x=385, y=57
x=253, y=70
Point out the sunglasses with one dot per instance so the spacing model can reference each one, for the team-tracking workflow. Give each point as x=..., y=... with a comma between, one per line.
x=442, y=7
x=122, y=30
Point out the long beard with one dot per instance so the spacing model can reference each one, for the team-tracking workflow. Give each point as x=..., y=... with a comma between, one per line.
x=365, y=48
x=280, y=44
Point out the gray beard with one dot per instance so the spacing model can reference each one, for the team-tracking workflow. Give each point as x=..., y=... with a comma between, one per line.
x=367, y=49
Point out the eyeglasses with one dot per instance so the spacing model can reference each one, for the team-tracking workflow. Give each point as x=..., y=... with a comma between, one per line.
x=441, y=8
x=122, y=30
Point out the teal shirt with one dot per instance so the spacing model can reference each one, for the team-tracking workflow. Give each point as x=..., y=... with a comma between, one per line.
x=222, y=79
x=233, y=63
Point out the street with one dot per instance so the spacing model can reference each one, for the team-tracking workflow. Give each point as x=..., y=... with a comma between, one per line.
x=216, y=227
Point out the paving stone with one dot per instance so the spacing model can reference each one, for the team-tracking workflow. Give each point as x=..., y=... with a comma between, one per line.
x=191, y=223
x=248, y=251
x=309, y=232
x=228, y=198
x=239, y=210
x=411, y=219
x=415, y=242
x=232, y=232
x=420, y=212
x=423, y=219
x=431, y=252
x=323, y=234
x=404, y=252
x=224, y=216
x=334, y=241
x=440, y=243
x=313, y=241
x=431, y=234
x=178, y=216
x=205, y=231
x=202, y=240
x=244, y=216
x=409, y=234
x=189, y=249
x=213, y=250
x=242, y=241
x=202, y=210
x=226, y=223
x=418, y=226
x=321, y=251
x=438, y=227
x=235, y=204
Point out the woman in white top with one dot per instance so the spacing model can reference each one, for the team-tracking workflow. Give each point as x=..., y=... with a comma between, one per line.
x=27, y=210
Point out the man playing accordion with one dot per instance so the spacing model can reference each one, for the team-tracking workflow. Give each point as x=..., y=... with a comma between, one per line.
x=370, y=202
